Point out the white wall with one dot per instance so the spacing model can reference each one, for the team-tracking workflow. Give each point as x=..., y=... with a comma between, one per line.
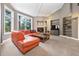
x=76, y=14
x=49, y=24
x=78, y=28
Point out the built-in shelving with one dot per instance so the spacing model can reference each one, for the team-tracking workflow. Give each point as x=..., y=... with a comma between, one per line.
x=67, y=26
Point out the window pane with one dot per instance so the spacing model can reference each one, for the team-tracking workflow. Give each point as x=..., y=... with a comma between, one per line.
x=7, y=21
x=7, y=24
x=28, y=24
x=8, y=13
x=24, y=23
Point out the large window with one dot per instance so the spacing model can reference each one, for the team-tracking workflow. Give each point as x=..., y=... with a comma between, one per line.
x=24, y=23
x=8, y=17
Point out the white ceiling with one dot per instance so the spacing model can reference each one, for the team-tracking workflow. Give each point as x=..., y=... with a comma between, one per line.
x=37, y=9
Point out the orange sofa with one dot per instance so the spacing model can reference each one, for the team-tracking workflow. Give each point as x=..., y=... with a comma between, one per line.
x=23, y=44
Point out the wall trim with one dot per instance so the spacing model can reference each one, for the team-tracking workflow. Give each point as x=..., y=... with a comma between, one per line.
x=68, y=37
x=1, y=44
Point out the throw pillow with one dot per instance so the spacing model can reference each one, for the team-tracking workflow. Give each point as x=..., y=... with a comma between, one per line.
x=26, y=37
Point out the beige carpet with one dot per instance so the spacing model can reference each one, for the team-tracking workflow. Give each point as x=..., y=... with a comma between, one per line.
x=56, y=46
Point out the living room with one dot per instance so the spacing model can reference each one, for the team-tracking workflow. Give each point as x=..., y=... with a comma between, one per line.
x=50, y=28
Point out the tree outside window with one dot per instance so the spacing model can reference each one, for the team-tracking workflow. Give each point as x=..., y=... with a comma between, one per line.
x=24, y=23
x=7, y=21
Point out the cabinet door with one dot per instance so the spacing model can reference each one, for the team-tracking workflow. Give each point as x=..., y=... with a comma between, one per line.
x=75, y=27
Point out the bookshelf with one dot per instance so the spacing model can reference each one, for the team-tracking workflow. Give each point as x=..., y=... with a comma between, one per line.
x=67, y=26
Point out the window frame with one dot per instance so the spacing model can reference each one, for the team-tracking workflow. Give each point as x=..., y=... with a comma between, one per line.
x=23, y=17
x=12, y=19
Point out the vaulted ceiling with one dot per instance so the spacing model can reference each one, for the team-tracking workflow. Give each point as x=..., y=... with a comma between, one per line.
x=37, y=9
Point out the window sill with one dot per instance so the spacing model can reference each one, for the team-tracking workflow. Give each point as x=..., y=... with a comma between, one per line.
x=6, y=33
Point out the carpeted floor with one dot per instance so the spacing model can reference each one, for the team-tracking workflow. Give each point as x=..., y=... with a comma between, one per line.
x=55, y=46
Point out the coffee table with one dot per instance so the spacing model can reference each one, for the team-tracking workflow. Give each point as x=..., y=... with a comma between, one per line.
x=43, y=36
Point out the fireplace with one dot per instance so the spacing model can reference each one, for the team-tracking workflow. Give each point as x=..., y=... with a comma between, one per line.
x=40, y=29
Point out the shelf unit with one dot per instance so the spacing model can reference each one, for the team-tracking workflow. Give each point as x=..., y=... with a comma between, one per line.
x=67, y=26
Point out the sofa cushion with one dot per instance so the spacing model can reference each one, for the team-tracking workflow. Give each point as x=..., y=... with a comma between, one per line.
x=26, y=37
x=30, y=41
x=19, y=36
x=25, y=31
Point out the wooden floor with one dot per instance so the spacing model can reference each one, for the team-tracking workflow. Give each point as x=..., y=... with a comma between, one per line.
x=55, y=46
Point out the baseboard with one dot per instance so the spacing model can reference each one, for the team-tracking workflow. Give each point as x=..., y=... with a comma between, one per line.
x=69, y=37
x=1, y=44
